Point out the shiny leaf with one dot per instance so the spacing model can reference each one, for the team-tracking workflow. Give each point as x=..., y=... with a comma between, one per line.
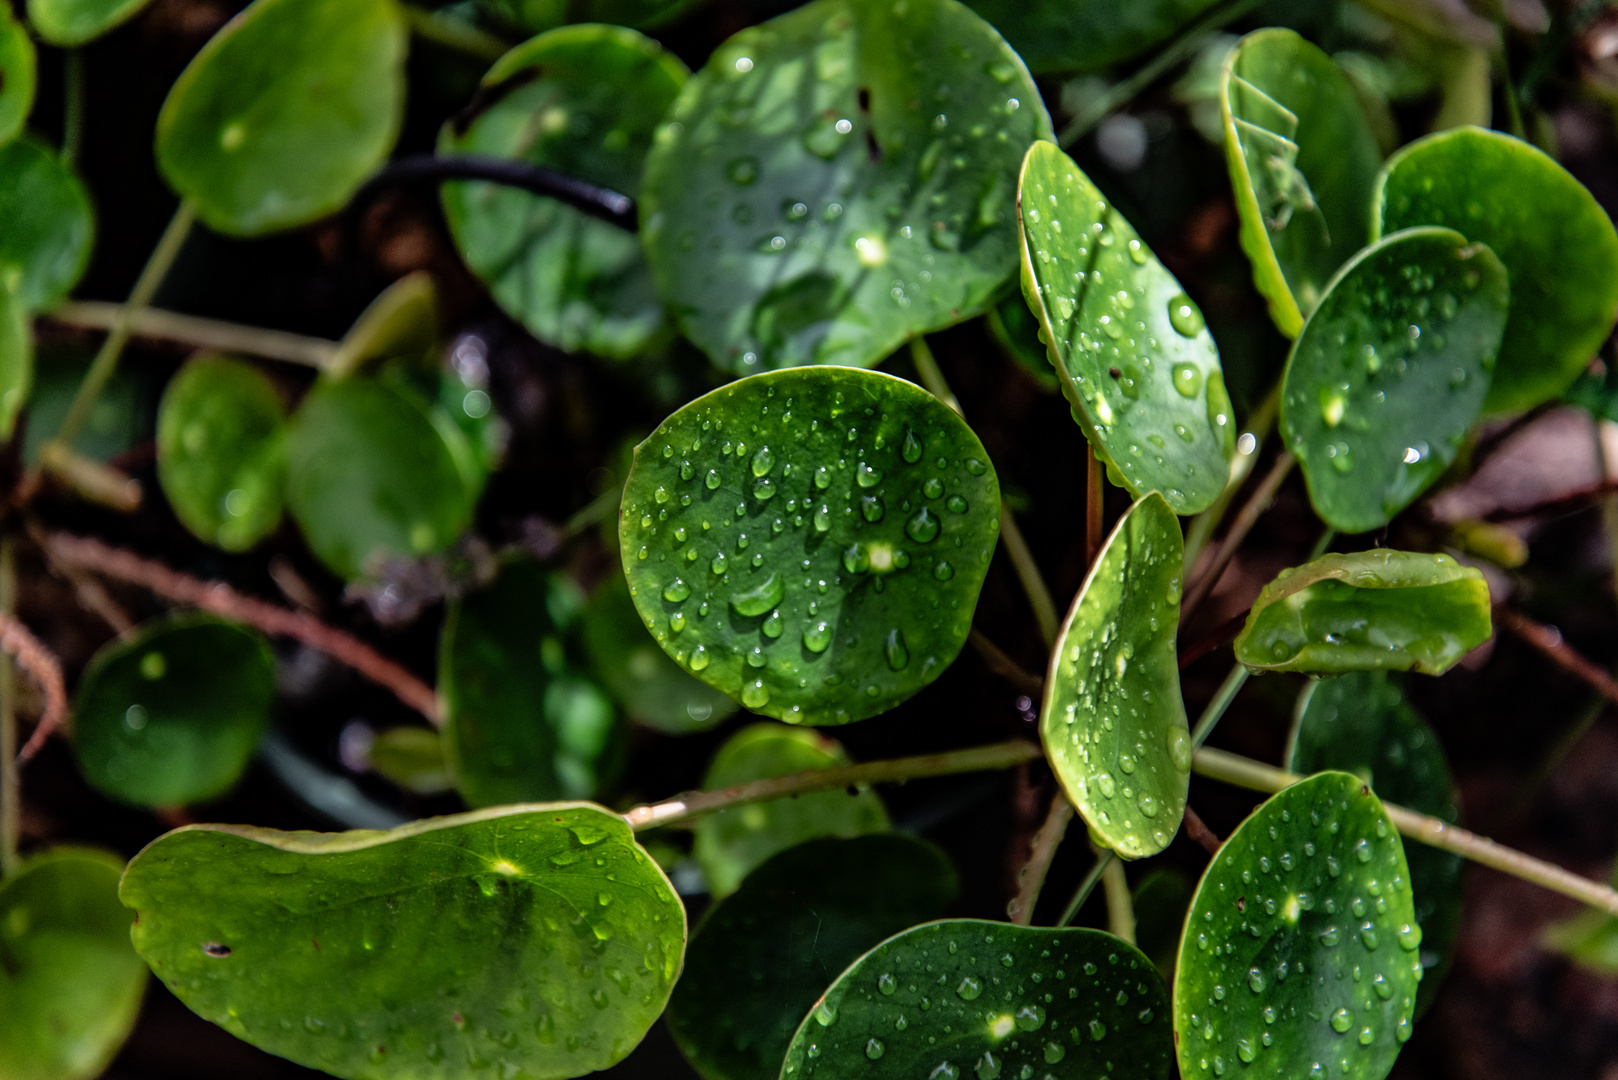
x=50, y=226
x=17, y=75
x=74, y=22
x=1086, y=35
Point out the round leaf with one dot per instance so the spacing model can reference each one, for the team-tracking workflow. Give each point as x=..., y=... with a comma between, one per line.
x=1299, y=954
x=1390, y=372
x=1373, y=610
x=759, y=959
x=583, y=100
x=172, y=716
x=963, y=996
x=838, y=180
x=811, y=542
x=17, y=75
x=1086, y=35
x=74, y=22
x=283, y=114
x=523, y=941
x=1113, y=723
x=16, y=361
x=1133, y=354
x=221, y=451
x=70, y=985
x=1555, y=239
x=49, y=224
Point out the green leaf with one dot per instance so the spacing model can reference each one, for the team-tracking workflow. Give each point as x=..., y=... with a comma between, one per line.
x=1018, y=333
x=221, y=451
x=584, y=101
x=760, y=958
x=1373, y=610
x=963, y=996
x=838, y=180
x=1556, y=241
x=50, y=226
x=74, y=22
x=172, y=715
x=811, y=542
x=17, y=75
x=1390, y=372
x=520, y=723
x=532, y=941
x=70, y=985
x=730, y=843
x=1133, y=354
x=1303, y=159
x=1112, y=722
x=401, y=325
x=1360, y=723
x=1299, y=956
x=650, y=686
x=1055, y=36
x=285, y=112
x=16, y=361
x=534, y=16
x=413, y=758
x=1589, y=939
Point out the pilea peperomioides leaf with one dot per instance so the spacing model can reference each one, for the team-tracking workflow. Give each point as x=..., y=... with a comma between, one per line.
x=50, y=226
x=17, y=75
x=283, y=114
x=74, y=22
x=768, y=951
x=1360, y=723
x=583, y=100
x=838, y=180
x=1113, y=723
x=1555, y=239
x=1302, y=159
x=173, y=715
x=70, y=985
x=16, y=360
x=1391, y=371
x=1086, y=35
x=1133, y=354
x=533, y=940
x=1373, y=610
x=812, y=542
x=1299, y=954
x=949, y=999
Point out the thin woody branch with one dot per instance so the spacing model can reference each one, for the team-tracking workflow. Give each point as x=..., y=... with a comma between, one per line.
x=17, y=642
x=1548, y=640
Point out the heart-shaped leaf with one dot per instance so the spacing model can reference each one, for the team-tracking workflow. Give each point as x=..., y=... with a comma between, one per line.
x=838, y=180
x=172, y=715
x=525, y=940
x=50, y=225
x=1299, y=955
x=1373, y=610
x=1086, y=35
x=1360, y=723
x=1555, y=239
x=1390, y=372
x=17, y=75
x=1133, y=354
x=16, y=364
x=583, y=100
x=768, y=951
x=70, y=985
x=1113, y=723
x=966, y=996
x=1303, y=160
x=221, y=451
x=730, y=843
x=283, y=114
x=811, y=542
x=74, y=22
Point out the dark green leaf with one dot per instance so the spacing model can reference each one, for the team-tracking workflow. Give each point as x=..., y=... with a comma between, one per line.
x=17, y=75
x=1134, y=356
x=74, y=22
x=538, y=941
x=283, y=114
x=583, y=100
x=1299, y=956
x=760, y=958
x=1390, y=372
x=413, y=758
x=838, y=180
x=1374, y=610
x=1160, y=902
x=121, y=418
x=401, y=326
x=533, y=16
x=963, y=996
x=16, y=360
x=50, y=226
x=1113, y=723
x=811, y=542
x=1017, y=332
x=1086, y=35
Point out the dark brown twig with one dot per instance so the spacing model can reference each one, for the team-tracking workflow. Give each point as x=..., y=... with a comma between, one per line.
x=1211, y=641
x=1548, y=640
x=1573, y=501
x=16, y=641
x=1198, y=830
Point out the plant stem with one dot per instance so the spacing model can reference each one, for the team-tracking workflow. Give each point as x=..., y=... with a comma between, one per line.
x=72, y=105
x=1094, y=505
x=1086, y=887
x=595, y=511
x=1004, y=666
x=695, y=804
x=455, y=34
x=1221, y=701
x=1032, y=876
x=199, y=333
x=1241, y=467
x=932, y=377
x=1120, y=908
x=10, y=777
x=1246, y=518
x=1548, y=640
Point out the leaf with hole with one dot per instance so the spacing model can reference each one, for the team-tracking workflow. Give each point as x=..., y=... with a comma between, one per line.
x=811, y=542
x=16, y=364
x=50, y=226
x=1555, y=240
x=17, y=75
x=1055, y=36
x=413, y=758
x=172, y=715
x=1391, y=371
x=73, y=22
x=284, y=113
x=533, y=940
x=838, y=180
x=583, y=100
x=768, y=951
x=1133, y=354
x=1299, y=956
x=1303, y=160
x=1373, y=610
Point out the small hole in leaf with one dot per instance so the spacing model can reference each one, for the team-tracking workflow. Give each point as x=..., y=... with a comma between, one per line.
x=1115, y=373
x=216, y=950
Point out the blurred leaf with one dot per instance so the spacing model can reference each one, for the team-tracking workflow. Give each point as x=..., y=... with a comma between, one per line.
x=17, y=75
x=16, y=360
x=1087, y=35
x=1160, y=902
x=50, y=226
x=401, y=324
x=413, y=758
x=74, y=22
x=533, y=16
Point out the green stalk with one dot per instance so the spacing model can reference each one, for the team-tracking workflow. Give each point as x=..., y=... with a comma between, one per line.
x=1221, y=701
x=1086, y=887
x=10, y=776
x=1120, y=907
x=73, y=106
x=455, y=34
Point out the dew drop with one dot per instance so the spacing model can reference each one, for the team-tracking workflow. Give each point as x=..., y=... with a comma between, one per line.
x=923, y=527
x=912, y=449
x=874, y=1049
x=1341, y=1021
x=676, y=591
x=897, y=653
x=1184, y=317
x=969, y=989
x=755, y=695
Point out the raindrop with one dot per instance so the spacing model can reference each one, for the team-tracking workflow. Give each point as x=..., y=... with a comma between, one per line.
x=969, y=989
x=699, y=658
x=976, y=467
x=755, y=695
x=898, y=654
x=712, y=479
x=1184, y=317
x=719, y=564
x=866, y=476
x=943, y=571
x=1187, y=379
x=1054, y=1052
x=871, y=508
x=1030, y=1018
x=763, y=461
x=817, y=636
x=1255, y=980
x=676, y=591
x=887, y=983
x=1409, y=937
x=1098, y=1030
x=874, y=1049
x=911, y=451
x=933, y=488
x=923, y=527
x=956, y=504
x=1341, y=1021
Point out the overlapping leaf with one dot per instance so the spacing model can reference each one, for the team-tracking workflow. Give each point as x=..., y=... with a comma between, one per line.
x=1086, y=35
x=50, y=226
x=74, y=22
x=17, y=75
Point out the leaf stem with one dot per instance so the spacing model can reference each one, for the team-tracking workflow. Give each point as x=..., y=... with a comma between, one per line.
x=72, y=105
x=932, y=377
x=1120, y=908
x=1087, y=886
x=1246, y=518
x=10, y=776
x=1094, y=505
x=199, y=333
x=1031, y=878
x=1548, y=640
x=455, y=34
x=1241, y=467
x=1221, y=701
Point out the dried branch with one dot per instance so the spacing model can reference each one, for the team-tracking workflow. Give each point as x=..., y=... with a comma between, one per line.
x=17, y=642
x=1548, y=640
x=1031, y=878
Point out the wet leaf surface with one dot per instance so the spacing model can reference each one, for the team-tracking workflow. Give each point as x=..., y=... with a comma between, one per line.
x=1086, y=35
x=50, y=226
x=74, y=22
